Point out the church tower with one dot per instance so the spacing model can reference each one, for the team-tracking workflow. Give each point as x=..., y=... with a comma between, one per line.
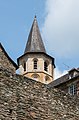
x=35, y=63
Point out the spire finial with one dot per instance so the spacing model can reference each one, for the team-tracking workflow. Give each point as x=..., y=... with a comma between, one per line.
x=35, y=19
x=35, y=16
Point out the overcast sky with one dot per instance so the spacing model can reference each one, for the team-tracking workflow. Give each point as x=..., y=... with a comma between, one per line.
x=58, y=22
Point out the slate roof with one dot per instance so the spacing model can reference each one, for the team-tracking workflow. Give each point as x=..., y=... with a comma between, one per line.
x=63, y=79
x=59, y=81
x=35, y=43
x=78, y=69
x=14, y=64
x=74, y=69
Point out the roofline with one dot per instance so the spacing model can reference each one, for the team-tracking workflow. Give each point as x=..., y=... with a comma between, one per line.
x=73, y=70
x=37, y=53
x=59, y=83
x=67, y=81
x=14, y=64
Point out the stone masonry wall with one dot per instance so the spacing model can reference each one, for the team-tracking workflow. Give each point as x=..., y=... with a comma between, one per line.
x=5, y=62
x=24, y=99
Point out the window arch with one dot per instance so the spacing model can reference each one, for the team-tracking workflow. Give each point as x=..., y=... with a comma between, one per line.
x=35, y=63
x=35, y=76
x=46, y=65
x=47, y=78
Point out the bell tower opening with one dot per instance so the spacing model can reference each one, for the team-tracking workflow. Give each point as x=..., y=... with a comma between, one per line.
x=35, y=63
x=46, y=63
x=24, y=66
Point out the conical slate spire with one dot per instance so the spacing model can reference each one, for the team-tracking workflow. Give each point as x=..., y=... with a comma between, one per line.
x=35, y=43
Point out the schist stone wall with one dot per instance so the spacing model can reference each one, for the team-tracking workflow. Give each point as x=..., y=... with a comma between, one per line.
x=24, y=99
x=5, y=62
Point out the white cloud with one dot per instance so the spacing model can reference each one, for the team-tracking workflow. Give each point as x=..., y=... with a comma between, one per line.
x=58, y=73
x=61, y=27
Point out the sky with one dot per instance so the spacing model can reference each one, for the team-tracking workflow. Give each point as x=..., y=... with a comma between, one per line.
x=58, y=22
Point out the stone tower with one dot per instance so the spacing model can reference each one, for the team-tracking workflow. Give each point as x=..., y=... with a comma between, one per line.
x=35, y=63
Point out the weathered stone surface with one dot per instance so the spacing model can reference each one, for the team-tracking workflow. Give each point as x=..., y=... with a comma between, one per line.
x=6, y=62
x=24, y=99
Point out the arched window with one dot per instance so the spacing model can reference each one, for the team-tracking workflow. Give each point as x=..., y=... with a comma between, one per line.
x=47, y=78
x=46, y=66
x=35, y=76
x=35, y=63
x=24, y=66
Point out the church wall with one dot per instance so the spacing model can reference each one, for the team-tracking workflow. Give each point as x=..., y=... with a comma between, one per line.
x=29, y=59
x=41, y=59
x=41, y=77
x=25, y=99
x=5, y=62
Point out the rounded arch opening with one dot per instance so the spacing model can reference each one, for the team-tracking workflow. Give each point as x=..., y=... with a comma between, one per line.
x=35, y=76
x=24, y=65
x=46, y=63
x=35, y=60
x=47, y=78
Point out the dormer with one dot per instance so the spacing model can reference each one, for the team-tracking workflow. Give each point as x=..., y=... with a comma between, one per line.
x=73, y=73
